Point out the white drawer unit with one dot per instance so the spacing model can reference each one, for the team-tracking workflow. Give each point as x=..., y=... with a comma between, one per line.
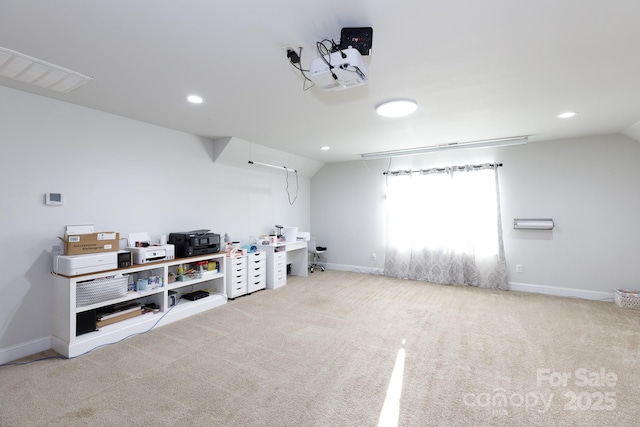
x=236, y=276
x=277, y=275
x=256, y=271
x=281, y=254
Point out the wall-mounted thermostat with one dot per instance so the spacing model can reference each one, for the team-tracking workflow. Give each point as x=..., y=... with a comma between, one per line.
x=53, y=199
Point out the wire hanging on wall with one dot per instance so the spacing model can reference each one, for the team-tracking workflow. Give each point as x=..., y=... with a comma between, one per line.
x=291, y=202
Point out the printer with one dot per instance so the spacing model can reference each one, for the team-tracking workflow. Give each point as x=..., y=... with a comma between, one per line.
x=196, y=242
x=152, y=253
x=74, y=265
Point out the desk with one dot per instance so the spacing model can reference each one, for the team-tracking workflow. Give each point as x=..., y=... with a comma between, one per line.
x=279, y=255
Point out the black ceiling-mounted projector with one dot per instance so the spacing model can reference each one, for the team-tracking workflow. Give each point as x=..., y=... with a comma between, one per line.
x=359, y=38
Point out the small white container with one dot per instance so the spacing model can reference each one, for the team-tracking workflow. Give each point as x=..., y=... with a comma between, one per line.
x=627, y=299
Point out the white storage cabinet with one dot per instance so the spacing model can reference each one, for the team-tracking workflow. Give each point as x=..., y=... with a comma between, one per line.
x=276, y=270
x=93, y=295
x=246, y=273
x=257, y=271
x=281, y=254
x=236, y=276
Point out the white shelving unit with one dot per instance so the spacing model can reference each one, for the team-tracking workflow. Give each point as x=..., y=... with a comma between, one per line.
x=66, y=342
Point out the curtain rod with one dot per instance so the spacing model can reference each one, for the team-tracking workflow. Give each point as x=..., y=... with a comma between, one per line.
x=491, y=165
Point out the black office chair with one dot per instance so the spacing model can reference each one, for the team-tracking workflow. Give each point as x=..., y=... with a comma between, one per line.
x=315, y=251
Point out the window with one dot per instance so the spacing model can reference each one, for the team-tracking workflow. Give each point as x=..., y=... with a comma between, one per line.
x=443, y=226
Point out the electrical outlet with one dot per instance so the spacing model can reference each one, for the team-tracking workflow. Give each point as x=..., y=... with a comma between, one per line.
x=292, y=54
x=291, y=48
x=519, y=268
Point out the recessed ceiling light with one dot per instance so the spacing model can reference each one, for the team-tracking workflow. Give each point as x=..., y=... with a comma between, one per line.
x=195, y=99
x=566, y=114
x=325, y=148
x=397, y=108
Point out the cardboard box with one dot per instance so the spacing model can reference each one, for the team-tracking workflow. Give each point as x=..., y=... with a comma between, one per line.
x=91, y=243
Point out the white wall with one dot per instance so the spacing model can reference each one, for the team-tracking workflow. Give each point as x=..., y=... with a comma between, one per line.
x=129, y=176
x=121, y=175
x=588, y=186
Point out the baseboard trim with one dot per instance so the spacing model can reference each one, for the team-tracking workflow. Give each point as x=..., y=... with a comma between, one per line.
x=354, y=268
x=18, y=351
x=514, y=286
x=561, y=292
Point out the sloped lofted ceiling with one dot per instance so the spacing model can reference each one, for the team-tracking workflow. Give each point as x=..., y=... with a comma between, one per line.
x=478, y=70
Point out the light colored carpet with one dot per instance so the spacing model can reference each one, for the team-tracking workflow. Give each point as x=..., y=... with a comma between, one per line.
x=321, y=350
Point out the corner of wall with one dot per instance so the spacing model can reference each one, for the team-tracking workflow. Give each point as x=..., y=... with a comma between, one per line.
x=633, y=131
x=236, y=152
x=218, y=146
x=19, y=351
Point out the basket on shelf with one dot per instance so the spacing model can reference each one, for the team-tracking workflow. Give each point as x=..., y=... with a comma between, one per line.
x=189, y=275
x=627, y=299
x=99, y=290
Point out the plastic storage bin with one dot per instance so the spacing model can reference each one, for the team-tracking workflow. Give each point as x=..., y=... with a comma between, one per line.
x=99, y=290
x=627, y=299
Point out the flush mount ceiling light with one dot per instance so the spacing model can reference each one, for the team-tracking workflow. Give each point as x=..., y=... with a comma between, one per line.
x=195, y=99
x=25, y=69
x=451, y=146
x=325, y=148
x=566, y=115
x=397, y=108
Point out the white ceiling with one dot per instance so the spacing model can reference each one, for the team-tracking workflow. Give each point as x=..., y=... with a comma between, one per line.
x=478, y=69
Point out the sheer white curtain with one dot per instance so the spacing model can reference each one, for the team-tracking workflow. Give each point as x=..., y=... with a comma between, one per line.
x=444, y=226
